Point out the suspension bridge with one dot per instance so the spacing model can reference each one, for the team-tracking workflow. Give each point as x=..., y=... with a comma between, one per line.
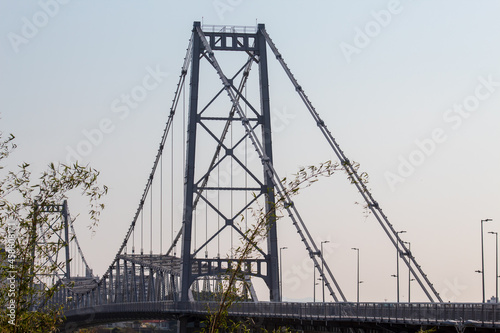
x=231, y=130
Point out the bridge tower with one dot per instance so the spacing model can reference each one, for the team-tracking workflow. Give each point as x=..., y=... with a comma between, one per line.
x=229, y=129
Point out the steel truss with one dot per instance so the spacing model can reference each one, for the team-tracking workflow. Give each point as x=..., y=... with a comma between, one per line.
x=59, y=231
x=51, y=232
x=196, y=189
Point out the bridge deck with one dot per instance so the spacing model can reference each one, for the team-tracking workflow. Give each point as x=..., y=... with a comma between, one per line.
x=444, y=315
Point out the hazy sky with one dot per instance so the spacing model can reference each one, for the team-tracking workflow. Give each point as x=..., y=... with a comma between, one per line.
x=410, y=89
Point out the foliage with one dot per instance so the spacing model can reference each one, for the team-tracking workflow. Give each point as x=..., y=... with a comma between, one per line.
x=27, y=264
x=88, y=330
x=233, y=288
x=430, y=330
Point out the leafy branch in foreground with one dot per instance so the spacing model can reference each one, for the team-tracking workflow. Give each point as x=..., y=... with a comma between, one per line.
x=364, y=179
x=233, y=288
x=27, y=262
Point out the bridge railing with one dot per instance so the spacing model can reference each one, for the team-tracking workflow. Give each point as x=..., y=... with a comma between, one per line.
x=455, y=314
x=432, y=313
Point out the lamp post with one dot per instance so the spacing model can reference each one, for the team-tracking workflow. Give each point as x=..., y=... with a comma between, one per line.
x=322, y=269
x=496, y=259
x=357, y=274
x=397, y=262
x=409, y=289
x=314, y=284
x=281, y=274
x=482, y=253
x=479, y=271
x=409, y=270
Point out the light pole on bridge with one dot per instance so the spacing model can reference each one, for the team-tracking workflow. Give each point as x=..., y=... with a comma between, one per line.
x=397, y=262
x=409, y=270
x=482, y=253
x=322, y=268
x=357, y=274
x=281, y=274
x=315, y=284
x=394, y=275
x=479, y=271
x=496, y=260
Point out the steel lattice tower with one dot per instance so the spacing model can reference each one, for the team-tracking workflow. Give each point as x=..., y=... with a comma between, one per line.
x=204, y=44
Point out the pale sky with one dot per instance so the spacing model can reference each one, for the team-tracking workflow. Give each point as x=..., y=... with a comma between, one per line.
x=410, y=89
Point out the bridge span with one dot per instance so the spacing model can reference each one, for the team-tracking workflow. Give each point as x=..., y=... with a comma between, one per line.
x=307, y=317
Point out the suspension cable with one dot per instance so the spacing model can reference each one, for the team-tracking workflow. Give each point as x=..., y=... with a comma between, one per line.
x=206, y=230
x=166, y=131
x=246, y=166
x=194, y=227
x=357, y=180
x=183, y=131
x=232, y=184
x=218, y=209
x=161, y=203
x=77, y=244
x=151, y=220
x=142, y=229
x=172, y=155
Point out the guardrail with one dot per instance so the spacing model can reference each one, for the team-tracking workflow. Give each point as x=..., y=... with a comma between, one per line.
x=449, y=314
x=229, y=28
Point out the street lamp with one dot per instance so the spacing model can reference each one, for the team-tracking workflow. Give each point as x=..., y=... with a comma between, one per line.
x=409, y=289
x=482, y=252
x=322, y=268
x=496, y=258
x=357, y=273
x=397, y=261
x=409, y=270
x=394, y=275
x=281, y=274
x=480, y=272
x=315, y=284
